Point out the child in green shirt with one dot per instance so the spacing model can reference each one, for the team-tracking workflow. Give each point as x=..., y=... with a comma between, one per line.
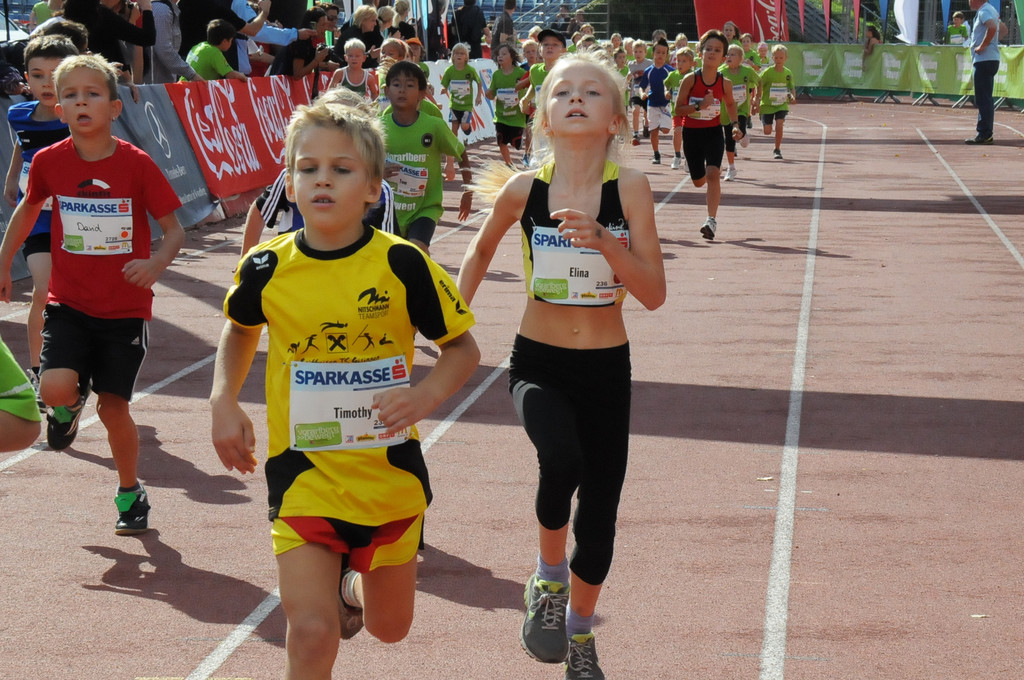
x=207, y=58
x=509, y=119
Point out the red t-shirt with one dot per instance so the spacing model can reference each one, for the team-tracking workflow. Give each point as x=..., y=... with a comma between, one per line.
x=99, y=225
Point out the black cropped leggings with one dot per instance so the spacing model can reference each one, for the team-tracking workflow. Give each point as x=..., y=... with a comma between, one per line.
x=574, y=405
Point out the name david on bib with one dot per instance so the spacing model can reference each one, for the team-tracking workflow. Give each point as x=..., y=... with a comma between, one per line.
x=96, y=226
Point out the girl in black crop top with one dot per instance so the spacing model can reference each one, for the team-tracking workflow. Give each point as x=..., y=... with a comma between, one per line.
x=588, y=238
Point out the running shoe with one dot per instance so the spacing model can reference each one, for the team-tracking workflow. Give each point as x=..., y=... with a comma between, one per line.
x=677, y=162
x=730, y=174
x=581, y=663
x=636, y=139
x=777, y=155
x=979, y=140
x=133, y=512
x=647, y=132
x=62, y=423
x=543, y=633
x=351, y=617
x=745, y=142
x=708, y=229
x=656, y=159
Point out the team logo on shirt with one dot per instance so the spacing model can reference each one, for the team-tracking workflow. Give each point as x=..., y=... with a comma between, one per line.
x=427, y=140
x=93, y=188
x=376, y=305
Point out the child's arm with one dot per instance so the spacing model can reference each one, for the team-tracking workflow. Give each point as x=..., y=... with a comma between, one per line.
x=640, y=267
x=479, y=87
x=232, y=432
x=466, y=203
x=336, y=79
x=236, y=75
x=144, y=273
x=401, y=408
x=508, y=206
x=22, y=221
x=13, y=173
x=730, y=106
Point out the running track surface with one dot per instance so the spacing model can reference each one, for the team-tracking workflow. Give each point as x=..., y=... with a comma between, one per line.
x=826, y=460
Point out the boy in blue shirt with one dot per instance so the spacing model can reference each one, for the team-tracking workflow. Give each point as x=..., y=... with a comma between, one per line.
x=652, y=85
x=37, y=126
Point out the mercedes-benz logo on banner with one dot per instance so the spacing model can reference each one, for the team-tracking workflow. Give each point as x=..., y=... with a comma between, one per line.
x=157, y=128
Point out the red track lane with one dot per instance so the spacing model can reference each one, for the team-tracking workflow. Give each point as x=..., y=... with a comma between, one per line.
x=905, y=537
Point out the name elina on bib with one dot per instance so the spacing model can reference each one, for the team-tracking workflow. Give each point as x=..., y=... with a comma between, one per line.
x=567, y=275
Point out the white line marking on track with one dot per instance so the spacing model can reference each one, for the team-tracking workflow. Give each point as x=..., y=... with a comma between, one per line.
x=977, y=206
x=86, y=422
x=773, y=650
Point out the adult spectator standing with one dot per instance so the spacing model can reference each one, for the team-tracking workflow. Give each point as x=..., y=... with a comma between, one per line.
x=41, y=11
x=302, y=57
x=266, y=33
x=363, y=26
x=471, y=27
x=406, y=30
x=504, y=32
x=168, y=66
x=985, y=53
x=561, y=22
x=107, y=28
x=575, y=24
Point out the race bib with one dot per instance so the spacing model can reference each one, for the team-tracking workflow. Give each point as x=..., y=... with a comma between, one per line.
x=778, y=94
x=509, y=100
x=710, y=113
x=956, y=39
x=96, y=226
x=330, y=405
x=411, y=181
x=739, y=93
x=566, y=275
x=459, y=89
x=23, y=185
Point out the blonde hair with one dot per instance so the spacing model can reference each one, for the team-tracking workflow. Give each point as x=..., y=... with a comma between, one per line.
x=93, y=62
x=361, y=14
x=364, y=131
x=459, y=48
x=494, y=175
x=355, y=44
x=686, y=52
x=386, y=13
x=779, y=48
x=734, y=46
x=402, y=7
x=395, y=42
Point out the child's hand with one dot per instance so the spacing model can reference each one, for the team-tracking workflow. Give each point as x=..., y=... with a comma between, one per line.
x=398, y=408
x=737, y=134
x=142, y=273
x=708, y=101
x=391, y=170
x=234, y=438
x=582, y=230
x=5, y=286
x=465, y=205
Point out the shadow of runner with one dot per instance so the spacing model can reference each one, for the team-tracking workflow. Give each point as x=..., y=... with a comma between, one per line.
x=454, y=579
x=199, y=594
x=161, y=470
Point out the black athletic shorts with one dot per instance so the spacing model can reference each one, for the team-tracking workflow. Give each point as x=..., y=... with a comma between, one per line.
x=703, y=147
x=509, y=134
x=37, y=243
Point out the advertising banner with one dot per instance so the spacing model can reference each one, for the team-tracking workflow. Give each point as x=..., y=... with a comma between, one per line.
x=151, y=125
x=237, y=129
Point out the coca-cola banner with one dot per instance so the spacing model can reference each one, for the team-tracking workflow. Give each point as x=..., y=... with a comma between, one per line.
x=152, y=125
x=763, y=19
x=237, y=129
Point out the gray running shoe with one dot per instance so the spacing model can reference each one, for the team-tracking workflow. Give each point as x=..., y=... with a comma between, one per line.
x=708, y=230
x=543, y=634
x=582, y=661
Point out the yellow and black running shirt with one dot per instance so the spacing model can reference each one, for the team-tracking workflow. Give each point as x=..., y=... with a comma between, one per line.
x=339, y=322
x=558, y=272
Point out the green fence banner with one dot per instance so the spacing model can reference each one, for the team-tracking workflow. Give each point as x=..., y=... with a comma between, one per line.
x=939, y=69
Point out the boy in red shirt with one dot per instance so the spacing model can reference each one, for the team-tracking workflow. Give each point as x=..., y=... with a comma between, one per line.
x=95, y=332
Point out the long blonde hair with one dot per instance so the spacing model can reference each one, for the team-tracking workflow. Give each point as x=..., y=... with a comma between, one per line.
x=494, y=175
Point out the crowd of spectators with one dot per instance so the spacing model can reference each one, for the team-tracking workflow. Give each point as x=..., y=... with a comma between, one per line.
x=163, y=41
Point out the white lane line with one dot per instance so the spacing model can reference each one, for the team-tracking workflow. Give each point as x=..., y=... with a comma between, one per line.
x=225, y=649
x=773, y=649
x=86, y=422
x=977, y=206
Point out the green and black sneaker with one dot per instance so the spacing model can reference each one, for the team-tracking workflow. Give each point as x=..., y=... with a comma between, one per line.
x=133, y=512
